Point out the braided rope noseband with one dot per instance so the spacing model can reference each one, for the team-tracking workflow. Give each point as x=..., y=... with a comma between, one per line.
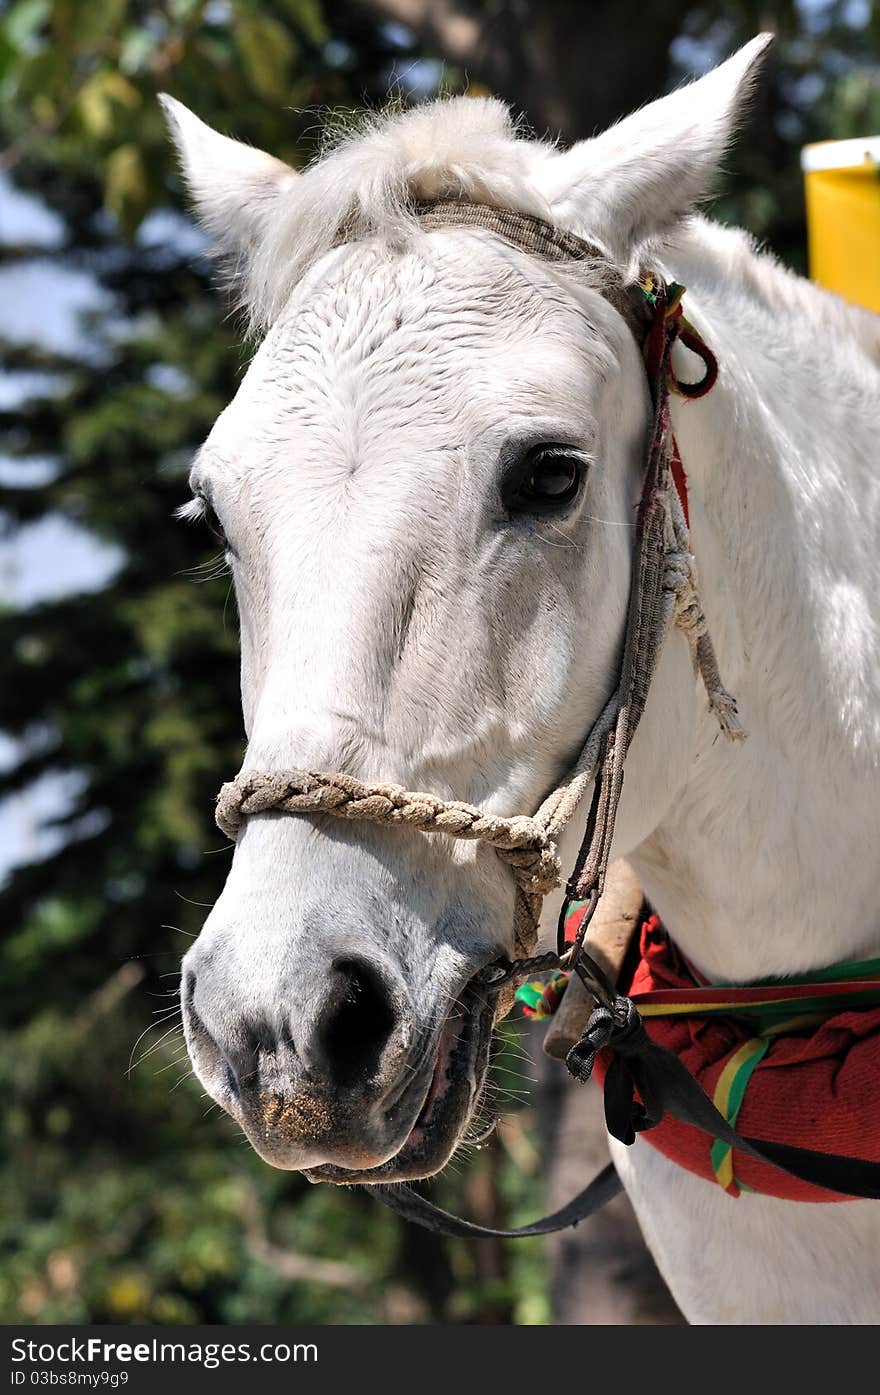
x=520, y=841
x=663, y=588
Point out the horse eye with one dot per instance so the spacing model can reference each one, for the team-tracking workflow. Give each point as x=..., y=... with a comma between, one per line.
x=548, y=479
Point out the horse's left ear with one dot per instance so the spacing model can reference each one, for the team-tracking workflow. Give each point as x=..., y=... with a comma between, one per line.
x=235, y=187
x=637, y=179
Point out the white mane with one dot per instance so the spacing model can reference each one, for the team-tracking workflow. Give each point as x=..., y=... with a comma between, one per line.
x=366, y=183
x=736, y=264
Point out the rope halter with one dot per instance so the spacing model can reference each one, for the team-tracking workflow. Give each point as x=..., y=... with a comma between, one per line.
x=663, y=590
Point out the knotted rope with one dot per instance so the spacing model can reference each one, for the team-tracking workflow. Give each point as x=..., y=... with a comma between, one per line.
x=664, y=590
x=522, y=842
x=680, y=580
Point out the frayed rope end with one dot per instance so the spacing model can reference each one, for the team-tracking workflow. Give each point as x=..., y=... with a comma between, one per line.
x=722, y=705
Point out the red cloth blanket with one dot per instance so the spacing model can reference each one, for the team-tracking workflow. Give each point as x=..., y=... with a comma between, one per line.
x=812, y=1085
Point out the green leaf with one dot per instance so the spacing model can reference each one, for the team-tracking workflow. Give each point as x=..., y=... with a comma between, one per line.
x=25, y=20
x=127, y=190
x=182, y=10
x=81, y=24
x=267, y=50
x=8, y=56
x=308, y=16
x=44, y=76
x=98, y=98
x=137, y=50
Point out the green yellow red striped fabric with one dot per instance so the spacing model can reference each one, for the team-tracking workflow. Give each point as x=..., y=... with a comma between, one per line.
x=770, y=1001
x=773, y=1009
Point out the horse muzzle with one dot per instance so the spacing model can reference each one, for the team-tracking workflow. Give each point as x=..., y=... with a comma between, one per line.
x=444, y=1094
x=345, y=1086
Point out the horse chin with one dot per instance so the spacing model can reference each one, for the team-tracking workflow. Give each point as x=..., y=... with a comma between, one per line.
x=449, y=1091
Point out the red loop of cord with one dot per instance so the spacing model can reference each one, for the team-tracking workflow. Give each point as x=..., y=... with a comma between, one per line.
x=667, y=325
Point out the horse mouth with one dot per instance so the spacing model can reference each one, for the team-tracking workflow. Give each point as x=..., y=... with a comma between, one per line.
x=449, y=1086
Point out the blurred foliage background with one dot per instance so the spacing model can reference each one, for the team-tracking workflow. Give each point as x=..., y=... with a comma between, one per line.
x=123, y=1198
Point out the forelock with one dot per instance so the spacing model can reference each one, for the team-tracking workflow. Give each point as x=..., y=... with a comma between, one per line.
x=368, y=178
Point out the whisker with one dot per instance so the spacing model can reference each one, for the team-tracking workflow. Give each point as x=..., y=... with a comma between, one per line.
x=569, y=544
x=178, y=1061
x=212, y=576
x=609, y=522
x=210, y=562
x=156, y=1044
x=139, y=1040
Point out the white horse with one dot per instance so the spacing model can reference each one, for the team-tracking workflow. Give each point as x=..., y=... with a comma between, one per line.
x=427, y=481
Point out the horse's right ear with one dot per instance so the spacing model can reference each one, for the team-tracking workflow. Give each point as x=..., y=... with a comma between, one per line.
x=635, y=181
x=236, y=188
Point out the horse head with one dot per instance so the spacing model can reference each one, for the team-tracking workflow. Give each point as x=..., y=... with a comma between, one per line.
x=425, y=487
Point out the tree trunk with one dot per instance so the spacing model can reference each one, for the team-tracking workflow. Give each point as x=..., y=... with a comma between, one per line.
x=572, y=68
x=601, y=1273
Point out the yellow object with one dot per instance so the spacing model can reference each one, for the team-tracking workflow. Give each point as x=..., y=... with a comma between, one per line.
x=842, y=179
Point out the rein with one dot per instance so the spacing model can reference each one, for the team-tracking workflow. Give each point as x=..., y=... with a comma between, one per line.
x=644, y=1081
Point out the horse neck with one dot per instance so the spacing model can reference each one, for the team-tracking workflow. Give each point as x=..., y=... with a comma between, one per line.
x=766, y=861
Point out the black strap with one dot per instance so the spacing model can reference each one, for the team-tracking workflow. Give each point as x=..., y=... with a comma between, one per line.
x=665, y=1086
x=417, y=1208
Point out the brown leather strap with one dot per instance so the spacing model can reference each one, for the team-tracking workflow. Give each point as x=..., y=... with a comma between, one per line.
x=611, y=931
x=539, y=238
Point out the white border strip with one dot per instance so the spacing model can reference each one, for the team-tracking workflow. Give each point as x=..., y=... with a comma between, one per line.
x=841, y=154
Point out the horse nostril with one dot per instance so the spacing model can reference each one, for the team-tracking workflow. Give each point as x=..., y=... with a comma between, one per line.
x=356, y=1023
x=205, y=1051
